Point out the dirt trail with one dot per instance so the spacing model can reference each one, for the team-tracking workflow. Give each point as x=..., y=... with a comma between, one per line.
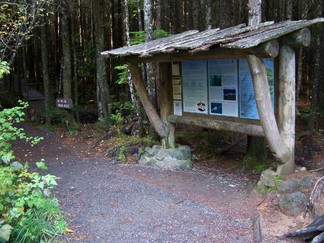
x=106, y=201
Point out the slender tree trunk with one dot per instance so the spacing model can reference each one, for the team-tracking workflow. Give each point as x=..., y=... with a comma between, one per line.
x=46, y=80
x=150, y=69
x=101, y=73
x=129, y=77
x=316, y=69
x=255, y=12
x=67, y=62
x=208, y=7
x=75, y=42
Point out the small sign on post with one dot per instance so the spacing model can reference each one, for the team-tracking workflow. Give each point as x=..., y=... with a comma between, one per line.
x=64, y=103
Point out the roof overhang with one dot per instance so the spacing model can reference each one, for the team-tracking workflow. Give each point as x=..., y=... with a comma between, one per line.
x=233, y=42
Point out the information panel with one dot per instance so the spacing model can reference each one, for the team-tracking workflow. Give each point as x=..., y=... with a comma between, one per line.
x=223, y=87
x=194, y=79
x=248, y=108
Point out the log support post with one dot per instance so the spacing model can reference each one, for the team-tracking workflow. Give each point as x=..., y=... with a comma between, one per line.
x=166, y=106
x=286, y=109
x=266, y=114
x=159, y=126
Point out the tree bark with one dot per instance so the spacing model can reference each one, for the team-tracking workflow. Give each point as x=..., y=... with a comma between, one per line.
x=101, y=72
x=67, y=62
x=255, y=11
x=287, y=104
x=266, y=114
x=129, y=77
x=209, y=20
x=46, y=80
x=166, y=103
x=315, y=71
x=159, y=126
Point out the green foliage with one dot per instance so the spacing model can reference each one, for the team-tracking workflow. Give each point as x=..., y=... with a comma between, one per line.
x=159, y=33
x=138, y=37
x=121, y=111
x=4, y=68
x=17, y=21
x=57, y=116
x=28, y=214
x=8, y=132
x=121, y=154
x=122, y=75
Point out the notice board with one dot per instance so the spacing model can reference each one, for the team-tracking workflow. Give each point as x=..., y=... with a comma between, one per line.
x=221, y=87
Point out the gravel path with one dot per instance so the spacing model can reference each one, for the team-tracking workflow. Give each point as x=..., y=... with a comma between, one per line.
x=110, y=202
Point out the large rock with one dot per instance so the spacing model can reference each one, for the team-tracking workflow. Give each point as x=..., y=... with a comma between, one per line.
x=293, y=204
x=268, y=178
x=172, y=159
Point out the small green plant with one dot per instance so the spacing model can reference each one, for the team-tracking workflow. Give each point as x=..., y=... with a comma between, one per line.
x=121, y=111
x=28, y=213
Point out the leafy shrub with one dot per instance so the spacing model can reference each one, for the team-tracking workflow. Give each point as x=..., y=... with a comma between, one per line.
x=28, y=214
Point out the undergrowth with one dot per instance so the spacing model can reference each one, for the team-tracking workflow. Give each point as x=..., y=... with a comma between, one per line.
x=28, y=212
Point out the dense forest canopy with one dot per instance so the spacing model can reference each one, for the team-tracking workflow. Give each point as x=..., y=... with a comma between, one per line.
x=54, y=47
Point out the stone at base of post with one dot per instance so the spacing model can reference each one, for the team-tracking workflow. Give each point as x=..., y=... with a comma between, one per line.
x=178, y=158
x=286, y=168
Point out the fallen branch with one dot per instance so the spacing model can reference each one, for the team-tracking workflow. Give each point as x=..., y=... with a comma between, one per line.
x=317, y=170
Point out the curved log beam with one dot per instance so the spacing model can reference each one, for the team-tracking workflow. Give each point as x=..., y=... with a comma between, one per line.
x=267, y=118
x=159, y=126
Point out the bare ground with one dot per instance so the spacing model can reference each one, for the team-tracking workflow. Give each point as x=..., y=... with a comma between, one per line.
x=107, y=201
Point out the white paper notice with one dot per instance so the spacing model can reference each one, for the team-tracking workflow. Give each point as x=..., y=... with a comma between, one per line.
x=194, y=80
x=177, y=108
x=223, y=87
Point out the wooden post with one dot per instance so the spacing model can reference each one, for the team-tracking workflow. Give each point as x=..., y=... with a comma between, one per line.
x=286, y=109
x=267, y=117
x=166, y=107
x=159, y=126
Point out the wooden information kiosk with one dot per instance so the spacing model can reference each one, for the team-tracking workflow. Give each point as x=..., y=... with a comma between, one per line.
x=239, y=79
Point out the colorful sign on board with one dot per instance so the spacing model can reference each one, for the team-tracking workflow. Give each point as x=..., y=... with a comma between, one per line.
x=221, y=87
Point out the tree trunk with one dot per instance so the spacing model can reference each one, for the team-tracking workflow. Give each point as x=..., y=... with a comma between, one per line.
x=101, y=72
x=150, y=69
x=287, y=104
x=46, y=80
x=255, y=12
x=159, y=126
x=267, y=118
x=129, y=77
x=316, y=72
x=67, y=63
x=209, y=20
x=75, y=42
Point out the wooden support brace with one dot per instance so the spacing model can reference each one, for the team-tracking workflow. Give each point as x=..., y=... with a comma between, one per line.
x=266, y=114
x=159, y=126
x=300, y=38
x=166, y=107
x=286, y=108
x=214, y=123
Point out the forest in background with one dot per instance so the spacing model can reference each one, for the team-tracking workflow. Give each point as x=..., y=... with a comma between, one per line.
x=54, y=47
